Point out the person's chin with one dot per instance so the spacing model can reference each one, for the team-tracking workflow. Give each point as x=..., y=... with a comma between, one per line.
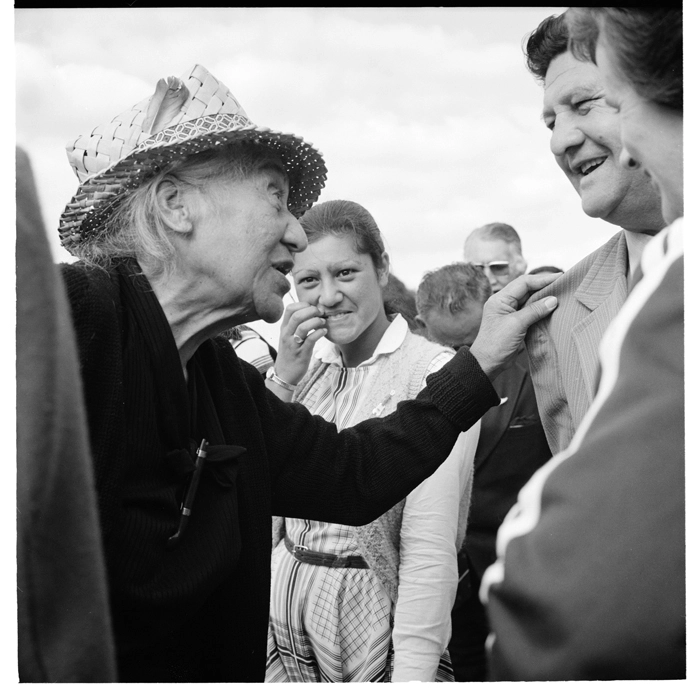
x=271, y=311
x=339, y=336
x=596, y=208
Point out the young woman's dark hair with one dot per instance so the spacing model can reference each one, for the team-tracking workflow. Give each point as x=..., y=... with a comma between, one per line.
x=341, y=218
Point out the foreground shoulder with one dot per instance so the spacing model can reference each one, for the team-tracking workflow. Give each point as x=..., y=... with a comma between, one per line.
x=93, y=294
x=87, y=283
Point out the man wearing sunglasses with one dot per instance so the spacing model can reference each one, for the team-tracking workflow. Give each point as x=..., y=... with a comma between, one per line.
x=495, y=248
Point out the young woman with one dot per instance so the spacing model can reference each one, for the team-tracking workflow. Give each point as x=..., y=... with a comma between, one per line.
x=371, y=603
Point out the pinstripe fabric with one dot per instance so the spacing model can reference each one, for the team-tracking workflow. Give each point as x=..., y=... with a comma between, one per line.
x=563, y=349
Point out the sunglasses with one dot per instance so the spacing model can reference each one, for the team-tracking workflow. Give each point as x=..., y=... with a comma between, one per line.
x=498, y=268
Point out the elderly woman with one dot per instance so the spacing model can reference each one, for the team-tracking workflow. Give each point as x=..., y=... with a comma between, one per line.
x=185, y=222
x=590, y=581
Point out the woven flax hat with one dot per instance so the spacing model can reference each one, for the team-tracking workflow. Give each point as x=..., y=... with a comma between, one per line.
x=184, y=116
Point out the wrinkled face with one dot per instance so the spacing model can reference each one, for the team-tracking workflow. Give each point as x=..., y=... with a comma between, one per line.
x=242, y=244
x=586, y=144
x=345, y=286
x=500, y=261
x=651, y=134
x=454, y=330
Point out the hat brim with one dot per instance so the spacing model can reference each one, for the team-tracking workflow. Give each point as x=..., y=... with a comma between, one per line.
x=100, y=195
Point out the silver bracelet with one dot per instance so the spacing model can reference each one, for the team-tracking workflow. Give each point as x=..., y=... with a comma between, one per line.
x=280, y=382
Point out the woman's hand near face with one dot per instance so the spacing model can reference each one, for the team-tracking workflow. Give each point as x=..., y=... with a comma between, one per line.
x=301, y=328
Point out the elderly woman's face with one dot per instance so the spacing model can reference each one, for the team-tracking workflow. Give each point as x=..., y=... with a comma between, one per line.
x=242, y=243
x=651, y=134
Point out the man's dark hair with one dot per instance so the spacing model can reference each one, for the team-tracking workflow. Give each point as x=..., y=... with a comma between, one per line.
x=549, y=40
x=646, y=46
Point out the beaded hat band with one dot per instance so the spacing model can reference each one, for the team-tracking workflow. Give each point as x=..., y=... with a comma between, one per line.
x=184, y=116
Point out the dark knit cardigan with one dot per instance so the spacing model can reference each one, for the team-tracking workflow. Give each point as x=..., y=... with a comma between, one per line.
x=199, y=612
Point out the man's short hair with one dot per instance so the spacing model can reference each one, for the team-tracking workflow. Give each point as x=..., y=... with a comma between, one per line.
x=452, y=287
x=497, y=231
x=549, y=40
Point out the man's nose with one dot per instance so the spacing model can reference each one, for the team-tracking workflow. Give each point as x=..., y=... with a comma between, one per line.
x=489, y=274
x=565, y=135
x=294, y=237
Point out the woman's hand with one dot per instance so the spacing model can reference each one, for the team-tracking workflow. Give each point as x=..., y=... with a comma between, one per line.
x=301, y=327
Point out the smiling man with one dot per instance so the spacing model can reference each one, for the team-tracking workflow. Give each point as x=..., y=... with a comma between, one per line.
x=586, y=144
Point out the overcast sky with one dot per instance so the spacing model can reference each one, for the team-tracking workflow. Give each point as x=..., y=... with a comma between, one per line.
x=427, y=117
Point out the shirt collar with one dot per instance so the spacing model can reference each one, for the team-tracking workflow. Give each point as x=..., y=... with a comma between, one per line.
x=393, y=336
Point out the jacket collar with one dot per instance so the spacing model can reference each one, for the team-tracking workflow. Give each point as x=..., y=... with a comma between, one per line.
x=600, y=282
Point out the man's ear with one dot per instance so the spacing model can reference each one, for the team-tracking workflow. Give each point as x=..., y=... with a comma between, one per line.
x=420, y=322
x=520, y=265
x=175, y=209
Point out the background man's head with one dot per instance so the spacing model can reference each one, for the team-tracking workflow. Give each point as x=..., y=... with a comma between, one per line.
x=450, y=302
x=585, y=136
x=496, y=249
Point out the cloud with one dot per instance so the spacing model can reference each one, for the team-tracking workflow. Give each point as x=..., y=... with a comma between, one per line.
x=426, y=116
x=69, y=99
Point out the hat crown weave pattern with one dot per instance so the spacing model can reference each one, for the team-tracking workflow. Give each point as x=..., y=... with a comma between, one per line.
x=106, y=144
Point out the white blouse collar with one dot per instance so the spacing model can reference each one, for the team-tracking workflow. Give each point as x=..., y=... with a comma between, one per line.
x=393, y=336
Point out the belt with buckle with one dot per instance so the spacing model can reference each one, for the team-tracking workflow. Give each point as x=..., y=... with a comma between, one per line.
x=330, y=560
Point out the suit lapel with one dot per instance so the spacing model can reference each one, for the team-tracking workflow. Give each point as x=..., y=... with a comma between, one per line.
x=497, y=420
x=603, y=291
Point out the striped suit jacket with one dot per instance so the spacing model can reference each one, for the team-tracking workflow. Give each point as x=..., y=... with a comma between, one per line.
x=563, y=348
